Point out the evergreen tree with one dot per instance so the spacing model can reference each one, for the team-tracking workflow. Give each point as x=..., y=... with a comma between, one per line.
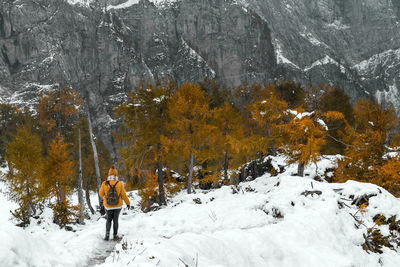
x=290, y=92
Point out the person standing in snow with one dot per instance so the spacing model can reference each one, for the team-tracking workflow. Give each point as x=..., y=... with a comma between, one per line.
x=113, y=192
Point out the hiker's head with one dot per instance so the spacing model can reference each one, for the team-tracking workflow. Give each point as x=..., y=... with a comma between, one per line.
x=113, y=171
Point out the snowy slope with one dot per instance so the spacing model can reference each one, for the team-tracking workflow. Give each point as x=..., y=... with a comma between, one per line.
x=265, y=222
x=241, y=230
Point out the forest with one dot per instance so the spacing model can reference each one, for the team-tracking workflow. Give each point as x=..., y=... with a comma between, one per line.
x=204, y=135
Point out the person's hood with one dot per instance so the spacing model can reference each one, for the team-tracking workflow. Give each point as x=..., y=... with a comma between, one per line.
x=112, y=178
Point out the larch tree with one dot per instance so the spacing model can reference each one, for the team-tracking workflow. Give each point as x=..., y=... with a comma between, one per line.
x=388, y=175
x=24, y=154
x=57, y=113
x=58, y=170
x=145, y=119
x=229, y=134
x=189, y=125
x=302, y=138
x=11, y=118
x=268, y=112
x=367, y=142
x=334, y=99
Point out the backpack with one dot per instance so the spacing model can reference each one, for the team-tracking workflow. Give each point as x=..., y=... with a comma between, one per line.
x=112, y=195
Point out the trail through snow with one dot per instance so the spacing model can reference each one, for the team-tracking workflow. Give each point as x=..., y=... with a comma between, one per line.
x=264, y=222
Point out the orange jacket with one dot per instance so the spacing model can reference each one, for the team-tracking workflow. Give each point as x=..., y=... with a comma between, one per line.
x=120, y=191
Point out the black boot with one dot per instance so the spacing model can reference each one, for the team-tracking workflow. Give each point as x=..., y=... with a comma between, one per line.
x=107, y=237
x=116, y=237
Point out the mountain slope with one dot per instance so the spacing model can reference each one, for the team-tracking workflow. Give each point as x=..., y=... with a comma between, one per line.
x=104, y=48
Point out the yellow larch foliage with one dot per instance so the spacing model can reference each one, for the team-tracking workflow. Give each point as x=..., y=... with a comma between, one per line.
x=189, y=123
x=24, y=156
x=57, y=173
x=388, y=176
x=191, y=134
x=150, y=190
x=267, y=114
x=145, y=124
x=57, y=112
x=302, y=138
x=229, y=135
x=367, y=143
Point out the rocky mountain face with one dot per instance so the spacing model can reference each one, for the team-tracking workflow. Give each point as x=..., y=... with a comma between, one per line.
x=103, y=48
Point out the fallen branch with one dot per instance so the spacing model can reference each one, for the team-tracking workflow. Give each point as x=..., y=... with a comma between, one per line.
x=183, y=262
x=307, y=192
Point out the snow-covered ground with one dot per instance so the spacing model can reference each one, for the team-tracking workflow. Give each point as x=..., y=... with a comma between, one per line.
x=265, y=222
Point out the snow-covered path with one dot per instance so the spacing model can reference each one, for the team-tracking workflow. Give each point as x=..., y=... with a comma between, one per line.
x=268, y=223
x=265, y=222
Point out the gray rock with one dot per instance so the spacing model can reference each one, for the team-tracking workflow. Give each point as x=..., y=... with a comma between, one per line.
x=104, y=52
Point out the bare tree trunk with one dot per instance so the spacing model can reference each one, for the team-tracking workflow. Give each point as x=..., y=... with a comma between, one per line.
x=80, y=190
x=96, y=160
x=87, y=195
x=189, y=184
x=60, y=195
x=226, y=165
x=32, y=207
x=300, y=169
x=160, y=181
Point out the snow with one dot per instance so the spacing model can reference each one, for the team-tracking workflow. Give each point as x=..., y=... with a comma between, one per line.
x=313, y=40
x=80, y=2
x=130, y=3
x=386, y=58
x=193, y=55
x=298, y=115
x=323, y=124
x=225, y=229
x=124, y=5
x=324, y=61
x=280, y=58
x=338, y=25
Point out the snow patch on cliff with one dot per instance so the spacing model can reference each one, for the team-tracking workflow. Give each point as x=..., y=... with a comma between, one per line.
x=389, y=58
x=338, y=25
x=325, y=61
x=280, y=58
x=130, y=3
x=196, y=57
x=313, y=40
x=80, y=2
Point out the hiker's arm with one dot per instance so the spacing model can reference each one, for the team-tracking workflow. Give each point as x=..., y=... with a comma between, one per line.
x=101, y=192
x=124, y=196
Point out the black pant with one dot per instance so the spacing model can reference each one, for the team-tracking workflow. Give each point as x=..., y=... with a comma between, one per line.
x=112, y=215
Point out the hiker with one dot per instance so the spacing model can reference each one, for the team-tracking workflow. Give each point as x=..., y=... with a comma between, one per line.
x=113, y=192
